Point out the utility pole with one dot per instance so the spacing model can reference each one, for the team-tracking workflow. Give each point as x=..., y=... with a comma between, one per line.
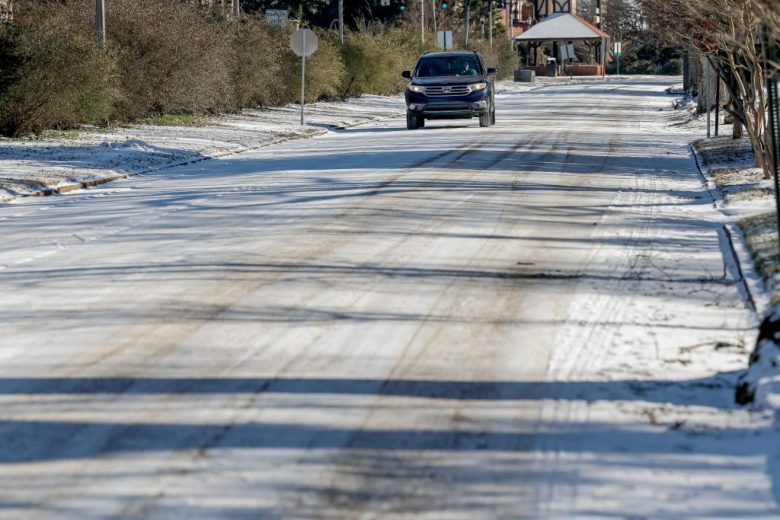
x=717, y=101
x=468, y=14
x=422, y=21
x=490, y=22
x=708, y=95
x=100, y=20
x=509, y=24
x=597, y=18
x=341, y=21
x=433, y=13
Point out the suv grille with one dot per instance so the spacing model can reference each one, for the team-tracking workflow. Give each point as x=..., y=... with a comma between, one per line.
x=454, y=90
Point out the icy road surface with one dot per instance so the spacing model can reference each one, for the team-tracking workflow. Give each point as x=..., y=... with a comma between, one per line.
x=536, y=320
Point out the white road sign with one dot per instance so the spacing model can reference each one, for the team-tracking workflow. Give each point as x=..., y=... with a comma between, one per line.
x=444, y=39
x=304, y=42
x=276, y=17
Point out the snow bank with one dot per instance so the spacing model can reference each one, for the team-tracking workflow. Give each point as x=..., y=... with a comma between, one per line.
x=73, y=161
x=760, y=384
x=747, y=198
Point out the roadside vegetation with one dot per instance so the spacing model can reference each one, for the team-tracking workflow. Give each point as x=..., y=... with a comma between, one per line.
x=737, y=40
x=175, y=61
x=734, y=38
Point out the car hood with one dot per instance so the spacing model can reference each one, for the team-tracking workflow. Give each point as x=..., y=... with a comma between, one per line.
x=449, y=80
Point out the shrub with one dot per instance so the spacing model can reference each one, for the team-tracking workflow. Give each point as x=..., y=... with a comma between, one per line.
x=261, y=58
x=374, y=59
x=55, y=74
x=168, y=57
x=671, y=68
x=499, y=56
x=174, y=58
x=325, y=70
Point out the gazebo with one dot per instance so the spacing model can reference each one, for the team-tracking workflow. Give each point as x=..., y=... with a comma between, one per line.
x=564, y=28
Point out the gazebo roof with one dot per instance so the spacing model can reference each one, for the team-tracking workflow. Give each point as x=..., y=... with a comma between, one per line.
x=562, y=26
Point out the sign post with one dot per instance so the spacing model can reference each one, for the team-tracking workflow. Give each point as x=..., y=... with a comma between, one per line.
x=303, y=43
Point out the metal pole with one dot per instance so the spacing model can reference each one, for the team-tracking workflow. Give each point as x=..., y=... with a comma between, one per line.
x=433, y=14
x=509, y=22
x=772, y=94
x=303, y=74
x=100, y=20
x=598, y=14
x=341, y=21
x=707, y=95
x=422, y=21
x=490, y=22
x=717, y=105
x=774, y=128
x=468, y=14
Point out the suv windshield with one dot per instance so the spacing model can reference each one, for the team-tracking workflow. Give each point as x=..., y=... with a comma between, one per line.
x=467, y=65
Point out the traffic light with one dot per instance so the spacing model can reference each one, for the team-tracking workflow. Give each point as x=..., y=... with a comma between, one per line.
x=402, y=5
x=444, y=4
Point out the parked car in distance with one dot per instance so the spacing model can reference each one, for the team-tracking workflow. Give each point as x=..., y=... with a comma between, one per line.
x=450, y=85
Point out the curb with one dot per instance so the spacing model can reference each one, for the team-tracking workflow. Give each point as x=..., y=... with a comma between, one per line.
x=729, y=231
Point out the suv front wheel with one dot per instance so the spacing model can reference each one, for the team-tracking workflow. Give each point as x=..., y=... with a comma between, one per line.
x=413, y=121
x=484, y=119
x=489, y=117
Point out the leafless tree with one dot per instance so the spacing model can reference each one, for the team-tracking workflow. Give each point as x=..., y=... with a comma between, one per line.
x=731, y=35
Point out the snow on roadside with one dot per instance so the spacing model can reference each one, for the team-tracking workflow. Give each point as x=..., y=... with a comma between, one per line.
x=35, y=165
x=748, y=198
x=648, y=361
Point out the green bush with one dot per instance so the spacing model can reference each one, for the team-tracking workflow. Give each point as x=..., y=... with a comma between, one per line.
x=671, y=68
x=500, y=56
x=261, y=59
x=374, y=59
x=325, y=71
x=54, y=73
x=174, y=58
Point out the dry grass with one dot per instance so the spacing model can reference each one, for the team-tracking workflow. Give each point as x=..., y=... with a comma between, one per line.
x=761, y=238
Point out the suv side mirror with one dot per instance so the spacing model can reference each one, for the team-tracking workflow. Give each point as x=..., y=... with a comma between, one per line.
x=406, y=74
x=491, y=70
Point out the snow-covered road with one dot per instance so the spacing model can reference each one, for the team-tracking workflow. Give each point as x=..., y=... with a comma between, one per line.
x=528, y=321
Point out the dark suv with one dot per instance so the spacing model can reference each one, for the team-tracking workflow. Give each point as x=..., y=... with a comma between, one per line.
x=450, y=85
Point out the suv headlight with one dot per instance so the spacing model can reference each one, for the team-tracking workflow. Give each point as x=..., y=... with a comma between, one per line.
x=416, y=88
x=477, y=86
